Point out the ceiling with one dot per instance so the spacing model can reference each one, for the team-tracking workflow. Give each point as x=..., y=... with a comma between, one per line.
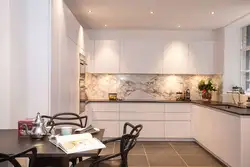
x=167, y=14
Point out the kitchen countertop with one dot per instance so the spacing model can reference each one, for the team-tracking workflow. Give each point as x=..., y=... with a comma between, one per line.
x=219, y=106
x=136, y=101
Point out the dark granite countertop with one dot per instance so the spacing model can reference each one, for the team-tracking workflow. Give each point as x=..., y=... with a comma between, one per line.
x=219, y=106
x=226, y=107
x=135, y=101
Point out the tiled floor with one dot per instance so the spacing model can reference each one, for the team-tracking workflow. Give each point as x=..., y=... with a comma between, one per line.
x=163, y=154
x=166, y=154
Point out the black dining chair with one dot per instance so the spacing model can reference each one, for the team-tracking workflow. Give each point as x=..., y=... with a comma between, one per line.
x=127, y=142
x=69, y=119
x=4, y=158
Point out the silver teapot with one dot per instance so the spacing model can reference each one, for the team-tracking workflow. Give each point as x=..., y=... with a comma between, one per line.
x=38, y=130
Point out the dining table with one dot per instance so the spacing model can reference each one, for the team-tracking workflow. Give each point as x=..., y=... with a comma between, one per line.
x=11, y=143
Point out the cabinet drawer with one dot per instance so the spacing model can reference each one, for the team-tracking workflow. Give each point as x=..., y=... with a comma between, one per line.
x=178, y=107
x=177, y=116
x=103, y=106
x=111, y=127
x=98, y=115
x=142, y=107
x=151, y=129
x=128, y=116
x=177, y=129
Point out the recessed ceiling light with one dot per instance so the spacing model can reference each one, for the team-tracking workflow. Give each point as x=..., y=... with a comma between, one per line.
x=179, y=26
x=106, y=25
x=151, y=12
x=212, y=13
x=90, y=11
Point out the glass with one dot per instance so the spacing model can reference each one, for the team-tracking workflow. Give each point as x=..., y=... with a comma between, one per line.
x=248, y=36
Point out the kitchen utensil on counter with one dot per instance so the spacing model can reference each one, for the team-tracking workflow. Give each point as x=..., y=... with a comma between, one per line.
x=38, y=130
x=112, y=96
x=187, y=94
x=179, y=96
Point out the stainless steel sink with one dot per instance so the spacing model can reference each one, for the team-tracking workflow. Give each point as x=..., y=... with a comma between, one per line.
x=226, y=106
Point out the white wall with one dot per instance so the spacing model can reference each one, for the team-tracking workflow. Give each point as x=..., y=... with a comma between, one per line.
x=38, y=56
x=5, y=64
x=219, y=50
x=18, y=56
x=67, y=42
x=232, y=53
x=25, y=55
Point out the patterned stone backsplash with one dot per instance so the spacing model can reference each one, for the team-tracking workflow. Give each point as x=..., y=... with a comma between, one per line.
x=146, y=86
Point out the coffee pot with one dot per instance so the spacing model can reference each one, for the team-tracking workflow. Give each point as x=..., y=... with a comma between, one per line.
x=38, y=130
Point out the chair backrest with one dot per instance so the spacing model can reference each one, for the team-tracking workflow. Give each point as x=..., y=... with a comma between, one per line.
x=129, y=139
x=14, y=162
x=72, y=119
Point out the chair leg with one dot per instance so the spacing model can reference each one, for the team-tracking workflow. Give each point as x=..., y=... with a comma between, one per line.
x=124, y=160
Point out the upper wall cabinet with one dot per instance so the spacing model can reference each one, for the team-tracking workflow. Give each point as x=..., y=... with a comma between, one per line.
x=72, y=27
x=140, y=56
x=175, y=58
x=106, y=56
x=201, y=57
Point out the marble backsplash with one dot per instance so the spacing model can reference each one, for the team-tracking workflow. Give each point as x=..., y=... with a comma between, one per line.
x=145, y=86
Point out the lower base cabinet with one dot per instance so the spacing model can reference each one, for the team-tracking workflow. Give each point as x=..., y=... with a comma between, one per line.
x=177, y=129
x=111, y=128
x=151, y=129
x=219, y=132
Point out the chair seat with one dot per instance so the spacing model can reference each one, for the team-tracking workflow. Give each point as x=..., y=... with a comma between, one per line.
x=108, y=163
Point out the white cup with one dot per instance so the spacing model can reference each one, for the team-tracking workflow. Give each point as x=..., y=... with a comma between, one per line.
x=66, y=131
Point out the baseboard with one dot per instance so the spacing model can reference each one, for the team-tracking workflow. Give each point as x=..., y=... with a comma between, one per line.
x=211, y=153
x=166, y=139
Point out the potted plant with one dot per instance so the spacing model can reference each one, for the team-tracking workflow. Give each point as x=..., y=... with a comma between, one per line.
x=206, y=89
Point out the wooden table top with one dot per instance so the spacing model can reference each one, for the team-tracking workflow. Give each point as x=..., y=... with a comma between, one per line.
x=10, y=143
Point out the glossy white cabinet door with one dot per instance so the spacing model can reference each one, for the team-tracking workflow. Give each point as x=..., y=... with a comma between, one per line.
x=72, y=27
x=177, y=129
x=142, y=107
x=219, y=132
x=114, y=107
x=106, y=56
x=138, y=116
x=104, y=115
x=177, y=116
x=111, y=128
x=141, y=56
x=175, y=58
x=201, y=57
x=151, y=129
x=178, y=108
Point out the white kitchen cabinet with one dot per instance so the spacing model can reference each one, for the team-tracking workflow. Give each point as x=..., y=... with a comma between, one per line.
x=104, y=106
x=179, y=107
x=141, y=56
x=142, y=107
x=219, y=132
x=104, y=115
x=177, y=116
x=151, y=129
x=106, y=56
x=129, y=116
x=177, y=129
x=111, y=128
x=175, y=58
x=201, y=57
x=71, y=26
